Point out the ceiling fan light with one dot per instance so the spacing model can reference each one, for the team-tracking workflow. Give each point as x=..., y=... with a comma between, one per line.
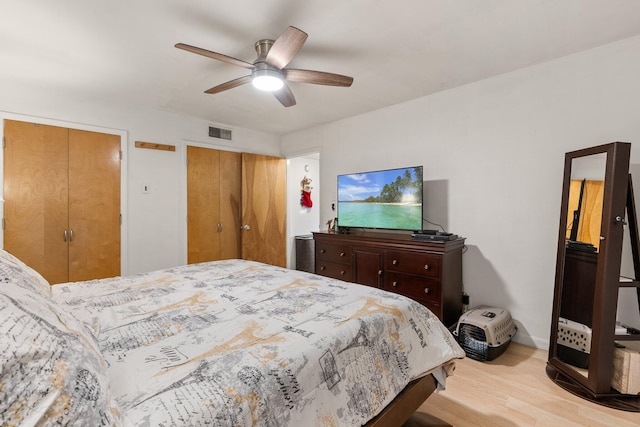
x=267, y=80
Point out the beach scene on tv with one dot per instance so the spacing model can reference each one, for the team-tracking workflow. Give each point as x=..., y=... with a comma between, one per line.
x=388, y=199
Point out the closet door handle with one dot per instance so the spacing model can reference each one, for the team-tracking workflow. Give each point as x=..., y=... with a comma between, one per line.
x=65, y=235
x=71, y=235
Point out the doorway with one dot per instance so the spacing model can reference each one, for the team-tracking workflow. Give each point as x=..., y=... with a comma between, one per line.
x=302, y=219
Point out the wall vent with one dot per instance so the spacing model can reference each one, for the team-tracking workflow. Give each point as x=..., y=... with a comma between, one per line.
x=220, y=133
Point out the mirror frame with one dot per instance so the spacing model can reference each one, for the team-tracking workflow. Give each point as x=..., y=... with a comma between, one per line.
x=597, y=383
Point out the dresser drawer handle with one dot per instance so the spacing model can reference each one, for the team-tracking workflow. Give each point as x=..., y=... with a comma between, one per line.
x=323, y=251
x=323, y=268
x=427, y=267
x=427, y=291
x=394, y=284
x=342, y=254
x=342, y=272
x=379, y=272
x=394, y=262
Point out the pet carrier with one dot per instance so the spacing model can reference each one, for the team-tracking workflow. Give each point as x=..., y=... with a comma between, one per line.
x=573, y=343
x=484, y=333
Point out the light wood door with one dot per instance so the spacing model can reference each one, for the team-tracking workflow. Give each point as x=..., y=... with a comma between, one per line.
x=62, y=200
x=36, y=183
x=203, y=199
x=94, y=205
x=230, y=204
x=213, y=204
x=264, y=209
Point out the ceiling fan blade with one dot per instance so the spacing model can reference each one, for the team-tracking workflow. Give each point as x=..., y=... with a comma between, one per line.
x=285, y=96
x=317, y=77
x=286, y=47
x=229, y=85
x=215, y=55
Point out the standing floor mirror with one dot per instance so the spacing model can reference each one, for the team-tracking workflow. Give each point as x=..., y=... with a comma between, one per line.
x=597, y=203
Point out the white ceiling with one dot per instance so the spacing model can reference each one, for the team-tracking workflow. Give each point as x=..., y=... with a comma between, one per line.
x=122, y=51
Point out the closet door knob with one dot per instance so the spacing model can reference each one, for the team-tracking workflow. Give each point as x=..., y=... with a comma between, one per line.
x=71, y=235
x=66, y=235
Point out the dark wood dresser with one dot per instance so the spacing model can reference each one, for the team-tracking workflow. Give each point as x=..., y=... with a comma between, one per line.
x=427, y=271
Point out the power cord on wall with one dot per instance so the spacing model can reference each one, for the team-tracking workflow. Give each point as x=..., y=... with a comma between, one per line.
x=433, y=223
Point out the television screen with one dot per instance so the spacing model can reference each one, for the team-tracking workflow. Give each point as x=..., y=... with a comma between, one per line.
x=387, y=199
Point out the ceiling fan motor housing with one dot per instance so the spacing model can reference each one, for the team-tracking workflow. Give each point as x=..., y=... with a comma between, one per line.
x=262, y=49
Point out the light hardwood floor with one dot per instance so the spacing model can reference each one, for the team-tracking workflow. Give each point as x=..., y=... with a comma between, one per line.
x=514, y=390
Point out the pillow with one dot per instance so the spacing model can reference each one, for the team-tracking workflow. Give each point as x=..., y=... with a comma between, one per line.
x=16, y=271
x=51, y=371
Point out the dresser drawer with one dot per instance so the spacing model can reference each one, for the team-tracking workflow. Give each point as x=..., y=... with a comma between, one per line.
x=335, y=253
x=414, y=287
x=333, y=269
x=413, y=263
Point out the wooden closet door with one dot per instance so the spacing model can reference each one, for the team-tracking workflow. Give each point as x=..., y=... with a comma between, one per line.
x=213, y=204
x=203, y=204
x=94, y=205
x=264, y=207
x=230, y=204
x=36, y=197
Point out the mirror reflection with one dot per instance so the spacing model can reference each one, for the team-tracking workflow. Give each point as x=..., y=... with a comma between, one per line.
x=584, y=220
x=585, y=201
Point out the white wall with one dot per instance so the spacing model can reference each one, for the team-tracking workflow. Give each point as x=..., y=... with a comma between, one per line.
x=155, y=222
x=495, y=151
x=301, y=220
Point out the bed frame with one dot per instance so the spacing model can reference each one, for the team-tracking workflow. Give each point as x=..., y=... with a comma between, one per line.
x=400, y=412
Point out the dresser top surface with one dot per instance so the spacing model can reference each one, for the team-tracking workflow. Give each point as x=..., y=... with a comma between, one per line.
x=389, y=238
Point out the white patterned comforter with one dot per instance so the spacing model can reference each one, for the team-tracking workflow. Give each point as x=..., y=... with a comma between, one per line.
x=239, y=343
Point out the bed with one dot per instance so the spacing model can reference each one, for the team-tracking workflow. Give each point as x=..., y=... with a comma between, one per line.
x=225, y=343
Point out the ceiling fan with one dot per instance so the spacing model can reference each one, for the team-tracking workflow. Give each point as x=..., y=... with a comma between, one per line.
x=268, y=71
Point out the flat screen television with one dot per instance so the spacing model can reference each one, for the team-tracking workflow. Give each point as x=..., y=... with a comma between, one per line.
x=386, y=199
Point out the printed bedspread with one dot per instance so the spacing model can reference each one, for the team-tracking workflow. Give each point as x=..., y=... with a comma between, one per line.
x=239, y=343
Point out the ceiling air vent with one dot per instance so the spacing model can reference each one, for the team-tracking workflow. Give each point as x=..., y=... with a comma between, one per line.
x=219, y=133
